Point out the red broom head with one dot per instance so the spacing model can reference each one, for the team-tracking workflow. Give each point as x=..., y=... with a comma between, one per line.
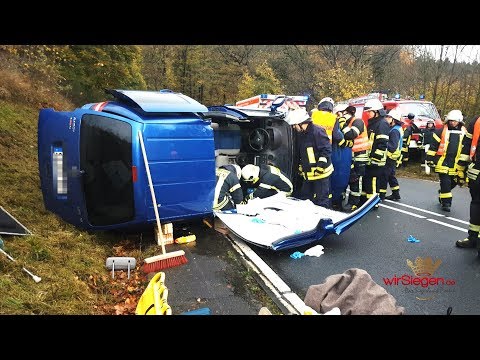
x=160, y=262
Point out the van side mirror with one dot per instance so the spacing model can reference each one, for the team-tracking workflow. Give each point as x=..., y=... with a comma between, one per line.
x=277, y=102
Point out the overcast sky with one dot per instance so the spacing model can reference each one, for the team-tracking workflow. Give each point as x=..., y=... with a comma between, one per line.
x=466, y=53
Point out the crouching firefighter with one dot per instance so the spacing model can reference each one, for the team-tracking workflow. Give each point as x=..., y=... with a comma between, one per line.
x=356, y=137
x=444, y=153
x=394, y=155
x=470, y=160
x=315, y=164
x=265, y=180
x=228, y=192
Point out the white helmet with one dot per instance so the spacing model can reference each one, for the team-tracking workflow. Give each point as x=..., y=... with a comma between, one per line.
x=297, y=116
x=329, y=99
x=455, y=115
x=250, y=172
x=339, y=107
x=373, y=104
x=395, y=114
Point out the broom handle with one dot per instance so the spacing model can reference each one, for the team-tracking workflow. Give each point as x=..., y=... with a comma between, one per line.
x=154, y=200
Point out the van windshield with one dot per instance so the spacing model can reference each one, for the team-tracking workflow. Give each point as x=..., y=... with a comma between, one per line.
x=419, y=109
x=106, y=159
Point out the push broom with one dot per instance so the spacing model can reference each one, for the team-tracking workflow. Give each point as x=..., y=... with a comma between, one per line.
x=165, y=260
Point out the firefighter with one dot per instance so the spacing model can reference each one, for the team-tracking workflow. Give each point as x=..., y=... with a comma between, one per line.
x=394, y=155
x=407, y=136
x=377, y=130
x=341, y=157
x=315, y=165
x=471, y=161
x=228, y=191
x=444, y=154
x=356, y=138
x=427, y=135
x=265, y=180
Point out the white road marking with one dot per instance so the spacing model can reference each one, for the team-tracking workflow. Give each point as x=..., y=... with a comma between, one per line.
x=428, y=212
x=424, y=217
x=448, y=225
x=414, y=207
x=457, y=220
x=404, y=211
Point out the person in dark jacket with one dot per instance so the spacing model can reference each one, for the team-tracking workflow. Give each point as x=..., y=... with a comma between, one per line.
x=470, y=160
x=444, y=153
x=315, y=165
x=427, y=134
x=265, y=180
x=228, y=192
x=378, y=135
x=407, y=136
x=394, y=155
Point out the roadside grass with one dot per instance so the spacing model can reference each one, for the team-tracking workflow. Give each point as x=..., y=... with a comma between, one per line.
x=70, y=262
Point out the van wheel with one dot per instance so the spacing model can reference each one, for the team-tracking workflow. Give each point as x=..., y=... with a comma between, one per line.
x=258, y=139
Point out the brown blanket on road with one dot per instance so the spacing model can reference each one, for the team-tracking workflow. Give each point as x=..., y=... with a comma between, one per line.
x=354, y=293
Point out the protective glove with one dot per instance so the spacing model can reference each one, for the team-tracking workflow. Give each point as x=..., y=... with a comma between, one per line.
x=349, y=143
x=472, y=173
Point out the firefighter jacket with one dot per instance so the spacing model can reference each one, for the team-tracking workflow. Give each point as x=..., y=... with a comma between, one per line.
x=329, y=122
x=446, y=148
x=315, y=151
x=407, y=136
x=469, y=159
x=378, y=130
x=428, y=135
x=271, y=180
x=394, y=145
x=227, y=186
x=356, y=137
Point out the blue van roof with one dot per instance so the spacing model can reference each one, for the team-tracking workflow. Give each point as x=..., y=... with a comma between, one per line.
x=158, y=101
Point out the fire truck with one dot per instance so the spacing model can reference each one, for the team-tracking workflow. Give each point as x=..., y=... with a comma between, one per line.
x=422, y=109
x=264, y=101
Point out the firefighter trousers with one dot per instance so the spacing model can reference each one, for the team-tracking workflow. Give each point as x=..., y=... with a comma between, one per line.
x=372, y=181
x=318, y=191
x=389, y=178
x=357, y=174
x=447, y=183
x=474, y=227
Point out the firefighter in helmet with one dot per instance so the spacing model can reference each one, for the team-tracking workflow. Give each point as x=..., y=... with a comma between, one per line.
x=315, y=165
x=228, y=191
x=394, y=155
x=470, y=161
x=265, y=180
x=378, y=135
x=356, y=138
x=444, y=154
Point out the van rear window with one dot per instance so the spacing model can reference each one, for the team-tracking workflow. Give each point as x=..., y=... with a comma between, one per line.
x=106, y=159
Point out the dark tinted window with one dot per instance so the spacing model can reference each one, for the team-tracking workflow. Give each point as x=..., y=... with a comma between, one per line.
x=106, y=159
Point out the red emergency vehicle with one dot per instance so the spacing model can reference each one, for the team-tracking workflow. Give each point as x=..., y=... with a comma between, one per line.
x=422, y=109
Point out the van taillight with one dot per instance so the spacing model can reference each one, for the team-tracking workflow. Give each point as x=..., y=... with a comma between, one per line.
x=134, y=174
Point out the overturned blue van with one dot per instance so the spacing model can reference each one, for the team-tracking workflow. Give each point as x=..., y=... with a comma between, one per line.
x=93, y=175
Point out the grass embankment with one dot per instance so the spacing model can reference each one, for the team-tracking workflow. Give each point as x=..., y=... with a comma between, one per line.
x=70, y=262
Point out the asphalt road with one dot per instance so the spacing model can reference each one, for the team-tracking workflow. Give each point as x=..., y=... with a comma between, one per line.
x=378, y=244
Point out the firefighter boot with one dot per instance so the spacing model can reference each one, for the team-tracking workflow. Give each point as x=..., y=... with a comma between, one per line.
x=470, y=241
x=446, y=203
x=395, y=196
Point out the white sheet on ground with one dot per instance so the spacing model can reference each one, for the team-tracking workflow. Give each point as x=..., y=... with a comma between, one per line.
x=276, y=217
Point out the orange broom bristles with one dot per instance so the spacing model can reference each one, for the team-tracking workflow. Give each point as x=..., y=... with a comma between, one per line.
x=168, y=260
